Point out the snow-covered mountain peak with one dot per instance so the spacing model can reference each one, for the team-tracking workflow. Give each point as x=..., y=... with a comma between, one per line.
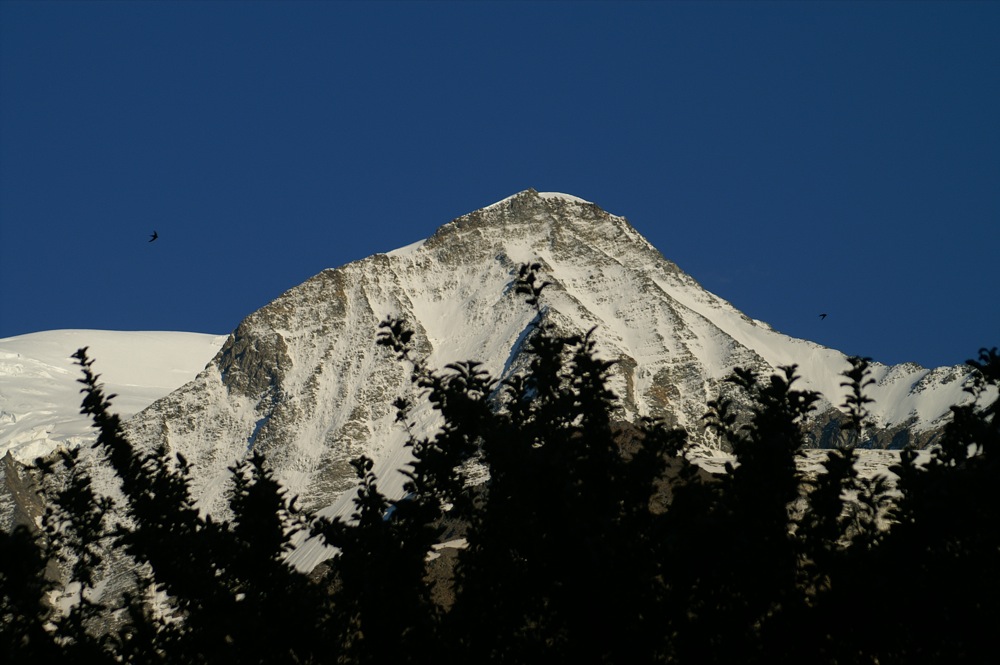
x=530, y=206
x=302, y=378
x=563, y=197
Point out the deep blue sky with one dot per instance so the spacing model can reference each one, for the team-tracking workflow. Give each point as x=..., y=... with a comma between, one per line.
x=795, y=158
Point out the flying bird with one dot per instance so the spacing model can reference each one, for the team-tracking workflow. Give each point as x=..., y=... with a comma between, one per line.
x=153, y=237
x=822, y=316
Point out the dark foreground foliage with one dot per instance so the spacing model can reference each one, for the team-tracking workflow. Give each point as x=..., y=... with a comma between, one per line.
x=592, y=542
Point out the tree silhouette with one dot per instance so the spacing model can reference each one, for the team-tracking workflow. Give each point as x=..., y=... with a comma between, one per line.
x=594, y=540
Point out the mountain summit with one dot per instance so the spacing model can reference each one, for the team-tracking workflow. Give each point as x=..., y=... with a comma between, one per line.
x=302, y=379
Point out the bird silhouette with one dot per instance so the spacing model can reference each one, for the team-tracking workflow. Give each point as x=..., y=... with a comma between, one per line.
x=153, y=237
x=822, y=316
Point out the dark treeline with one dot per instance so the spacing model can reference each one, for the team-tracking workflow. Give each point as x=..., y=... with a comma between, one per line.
x=593, y=541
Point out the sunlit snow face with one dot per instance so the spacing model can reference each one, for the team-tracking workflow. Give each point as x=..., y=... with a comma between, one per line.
x=40, y=398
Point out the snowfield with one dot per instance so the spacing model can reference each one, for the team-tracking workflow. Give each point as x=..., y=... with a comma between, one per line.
x=40, y=396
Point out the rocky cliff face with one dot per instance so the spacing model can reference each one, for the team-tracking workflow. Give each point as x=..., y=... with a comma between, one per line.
x=20, y=503
x=303, y=380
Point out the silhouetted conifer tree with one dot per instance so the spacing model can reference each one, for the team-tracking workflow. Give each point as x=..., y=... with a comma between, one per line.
x=593, y=541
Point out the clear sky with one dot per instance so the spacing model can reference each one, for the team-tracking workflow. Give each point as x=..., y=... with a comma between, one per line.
x=795, y=158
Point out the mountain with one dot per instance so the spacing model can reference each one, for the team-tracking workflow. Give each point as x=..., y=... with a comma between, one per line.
x=302, y=379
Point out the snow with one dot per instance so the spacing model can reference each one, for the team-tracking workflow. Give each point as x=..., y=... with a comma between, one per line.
x=896, y=394
x=457, y=544
x=39, y=389
x=501, y=201
x=408, y=250
x=543, y=195
x=564, y=197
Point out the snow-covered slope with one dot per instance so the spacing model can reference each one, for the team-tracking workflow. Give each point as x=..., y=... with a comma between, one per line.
x=40, y=396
